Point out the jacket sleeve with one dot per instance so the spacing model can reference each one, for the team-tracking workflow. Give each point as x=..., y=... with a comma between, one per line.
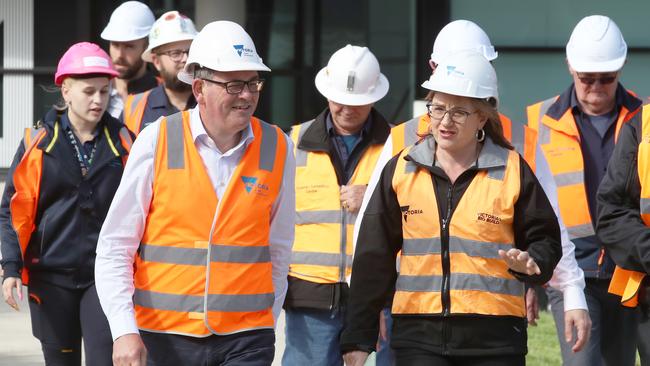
x=12, y=262
x=619, y=225
x=373, y=269
x=536, y=228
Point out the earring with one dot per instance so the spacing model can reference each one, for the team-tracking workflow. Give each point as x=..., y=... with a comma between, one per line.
x=480, y=135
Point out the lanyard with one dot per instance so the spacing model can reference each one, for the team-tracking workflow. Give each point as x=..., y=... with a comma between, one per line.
x=84, y=160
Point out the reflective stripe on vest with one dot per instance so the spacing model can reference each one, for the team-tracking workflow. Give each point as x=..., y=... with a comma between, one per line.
x=560, y=142
x=479, y=281
x=626, y=283
x=204, y=265
x=522, y=138
x=322, y=249
x=134, y=111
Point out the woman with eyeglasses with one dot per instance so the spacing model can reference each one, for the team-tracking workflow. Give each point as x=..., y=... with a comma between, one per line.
x=473, y=226
x=59, y=188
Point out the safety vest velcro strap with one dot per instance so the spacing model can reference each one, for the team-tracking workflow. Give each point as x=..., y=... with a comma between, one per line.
x=569, y=179
x=319, y=259
x=580, y=231
x=323, y=217
x=193, y=303
x=472, y=248
x=461, y=281
x=239, y=254
x=644, y=204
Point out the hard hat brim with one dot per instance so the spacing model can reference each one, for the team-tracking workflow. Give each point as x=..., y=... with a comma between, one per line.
x=118, y=35
x=606, y=66
x=110, y=73
x=429, y=85
x=380, y=91
x=146, y=55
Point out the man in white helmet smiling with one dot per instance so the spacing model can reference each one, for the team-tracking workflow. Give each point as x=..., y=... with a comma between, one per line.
x=577, y=131
x=335, y=154
x=192, y=260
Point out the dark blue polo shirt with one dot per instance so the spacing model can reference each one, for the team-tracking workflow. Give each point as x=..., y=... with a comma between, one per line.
x=158, y=105
x=348, y=146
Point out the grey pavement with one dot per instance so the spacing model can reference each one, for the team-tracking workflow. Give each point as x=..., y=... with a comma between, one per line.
x=17, y=345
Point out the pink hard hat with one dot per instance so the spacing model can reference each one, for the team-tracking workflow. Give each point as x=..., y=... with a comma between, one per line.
x=84, y=58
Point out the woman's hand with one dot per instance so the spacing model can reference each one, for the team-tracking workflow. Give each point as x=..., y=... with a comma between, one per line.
x=8, y=286
x=355, y=358
x=520, y=261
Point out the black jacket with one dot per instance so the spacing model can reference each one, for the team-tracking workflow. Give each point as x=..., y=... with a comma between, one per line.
x=373, y=273
x=306, y=294
x=62, y=247
x=619, y=225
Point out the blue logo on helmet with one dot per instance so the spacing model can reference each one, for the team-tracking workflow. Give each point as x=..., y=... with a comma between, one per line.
x=239, y=48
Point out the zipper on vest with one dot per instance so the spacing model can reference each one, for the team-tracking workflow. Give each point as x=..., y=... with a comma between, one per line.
x=344, y=238
x=445, y=256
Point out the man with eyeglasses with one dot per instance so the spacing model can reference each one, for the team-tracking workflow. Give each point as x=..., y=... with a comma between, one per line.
x=577, y=132
x=335, y=154
x=127, y=32
x=192, y=259
x=169, y=43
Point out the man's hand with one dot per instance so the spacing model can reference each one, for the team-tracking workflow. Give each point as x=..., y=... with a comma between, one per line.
x=128, y=350
x=8, y=285
x=355, y=358
x=520, y=261
x=532, y=307
x=352, y=197
x=580, y=320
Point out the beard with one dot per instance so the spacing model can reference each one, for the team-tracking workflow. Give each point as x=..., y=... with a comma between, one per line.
x=131, y=70
x=171, y=81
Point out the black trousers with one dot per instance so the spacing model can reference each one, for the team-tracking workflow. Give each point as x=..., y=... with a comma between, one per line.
x=420, y=357
x=61, y=317
x=251, y=348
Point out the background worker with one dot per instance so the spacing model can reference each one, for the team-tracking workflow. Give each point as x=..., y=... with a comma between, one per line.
x=205, y=215
x=60, y=185
x=335, y=154
x=624, y=221
x=169, y=43
x=127, y=32
x=472, y=224
x=577, y=132
x=464, y=35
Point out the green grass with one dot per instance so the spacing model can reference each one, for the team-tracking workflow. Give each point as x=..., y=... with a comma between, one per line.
x=543, y=346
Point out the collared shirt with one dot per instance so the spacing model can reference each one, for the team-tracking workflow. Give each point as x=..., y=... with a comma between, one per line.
x=87, y=147
x=158, y=105
x=567, y=276
x=120, y=236
x=343, y=150
x=597, y=145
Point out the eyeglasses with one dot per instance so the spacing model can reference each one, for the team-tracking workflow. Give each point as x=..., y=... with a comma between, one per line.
x=175, y=55
x=456, y=115
x=237, y=86
x=603, y=79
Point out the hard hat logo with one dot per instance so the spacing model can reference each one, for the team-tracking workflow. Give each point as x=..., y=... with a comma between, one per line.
x=452, y=70
x=350, y=87
x=241, y=50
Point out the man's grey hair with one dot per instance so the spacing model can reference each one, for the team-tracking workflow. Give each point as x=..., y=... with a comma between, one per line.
x=203, y=73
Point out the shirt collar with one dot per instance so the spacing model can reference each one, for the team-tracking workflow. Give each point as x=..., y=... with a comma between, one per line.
x=65, y=123
x=200, y=134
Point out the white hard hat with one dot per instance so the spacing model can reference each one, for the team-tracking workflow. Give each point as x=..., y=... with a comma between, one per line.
x=352, y=77
x=170, y=27
x=222, y=46
x=462, y=35
x=596, y=45
x=466, y=74
x=129, y=21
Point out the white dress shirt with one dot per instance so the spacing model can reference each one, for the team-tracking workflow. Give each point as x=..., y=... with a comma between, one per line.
x=122, y=231
x=567, y=276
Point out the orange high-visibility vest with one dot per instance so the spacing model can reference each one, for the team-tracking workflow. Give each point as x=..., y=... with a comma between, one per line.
x=134, y=111
x=522, y=138
x=322, y=248
x=560, y=141
x=204, y=265
x=27, y=183
x=626, y=283
x=482, y=223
